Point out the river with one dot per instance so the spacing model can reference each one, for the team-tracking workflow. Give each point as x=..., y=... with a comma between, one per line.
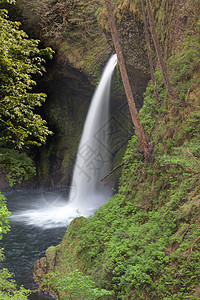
x=26, y=243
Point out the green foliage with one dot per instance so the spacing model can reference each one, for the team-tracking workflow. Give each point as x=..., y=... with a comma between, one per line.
x=134, y=244
x=20, y=59
x=132, y=156
x=182, y=274
x=16, y=166
x=192, y=125
x=8, y=287
x=185, y=63
x=151, y=111
x=139, y=242
x=4, y=213
x=131, y=249
x=185, y=157
x=20, y=126
x=75, y=285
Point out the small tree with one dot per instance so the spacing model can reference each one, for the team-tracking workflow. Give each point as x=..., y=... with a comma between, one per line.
x=20, y=60
x=20, y=126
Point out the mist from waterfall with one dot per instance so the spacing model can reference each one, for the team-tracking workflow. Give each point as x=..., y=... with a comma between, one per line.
x=87, y=192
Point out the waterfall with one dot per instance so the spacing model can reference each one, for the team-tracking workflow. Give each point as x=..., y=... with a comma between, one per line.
x=93, y=158
x=87, y=192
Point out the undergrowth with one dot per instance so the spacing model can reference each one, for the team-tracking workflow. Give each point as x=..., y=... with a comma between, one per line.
x=144, y=243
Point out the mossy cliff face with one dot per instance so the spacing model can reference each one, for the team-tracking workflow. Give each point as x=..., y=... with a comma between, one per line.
x=74, y=29
x=79, y=32
x=144, y=243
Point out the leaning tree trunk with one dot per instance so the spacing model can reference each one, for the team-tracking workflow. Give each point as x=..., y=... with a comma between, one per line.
x=132, y=107
x=150, y=55
x=159, y=51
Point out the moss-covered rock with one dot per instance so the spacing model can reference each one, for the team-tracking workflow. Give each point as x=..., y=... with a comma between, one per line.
x=62, y=258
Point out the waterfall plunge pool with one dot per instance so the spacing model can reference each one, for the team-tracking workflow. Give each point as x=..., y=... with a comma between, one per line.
x=24, y=244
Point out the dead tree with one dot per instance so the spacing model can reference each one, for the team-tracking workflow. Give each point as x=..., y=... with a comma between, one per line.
x=131, y=103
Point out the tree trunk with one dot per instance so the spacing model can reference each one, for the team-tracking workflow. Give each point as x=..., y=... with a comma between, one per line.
x=132, y=107
x=159, y=51
x=150, y=55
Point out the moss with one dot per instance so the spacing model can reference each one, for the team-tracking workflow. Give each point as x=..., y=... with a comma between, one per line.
x=61, y=258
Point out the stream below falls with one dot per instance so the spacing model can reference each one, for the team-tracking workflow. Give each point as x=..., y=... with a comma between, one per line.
x=26, y=243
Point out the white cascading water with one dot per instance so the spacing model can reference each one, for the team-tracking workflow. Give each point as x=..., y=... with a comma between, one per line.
x=87, y=192
x=93, y=158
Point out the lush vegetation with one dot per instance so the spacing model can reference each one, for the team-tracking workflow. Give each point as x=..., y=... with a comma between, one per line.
x=21, y=127
x=75, y=285
x=8, y=287
x=144, y=243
